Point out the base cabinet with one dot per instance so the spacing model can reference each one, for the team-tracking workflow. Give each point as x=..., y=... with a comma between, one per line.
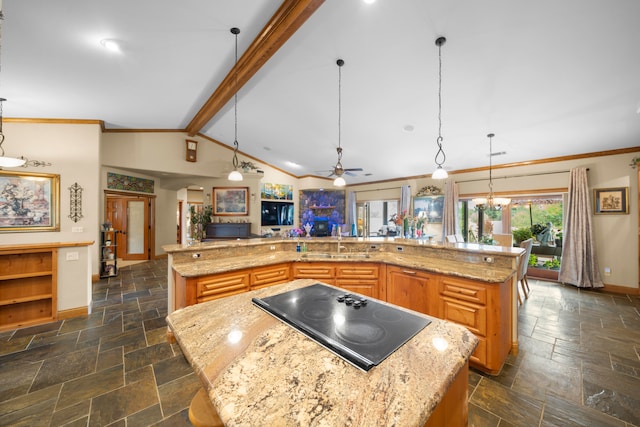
x=361, y=278
x=263, y=277
x=28, y=287
x=411, y=289
x=322, y=271
x=484, y=310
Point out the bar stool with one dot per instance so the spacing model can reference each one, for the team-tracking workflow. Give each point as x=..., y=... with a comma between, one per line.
x=201, y=411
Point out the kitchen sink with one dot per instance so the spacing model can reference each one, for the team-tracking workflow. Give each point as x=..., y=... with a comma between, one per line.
x=325, y=255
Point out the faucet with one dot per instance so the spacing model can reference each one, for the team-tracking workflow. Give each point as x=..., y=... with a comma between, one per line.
x=339, y=241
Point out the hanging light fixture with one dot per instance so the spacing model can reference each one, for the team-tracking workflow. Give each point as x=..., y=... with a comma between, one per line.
x=235, y=174
x=490, y=201
x=6, y=161
x=440, y=173
x=338, y=169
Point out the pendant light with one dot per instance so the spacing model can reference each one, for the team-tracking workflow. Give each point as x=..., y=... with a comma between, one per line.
x=235, y=174
x=338, y=169
x=491, y=202
x=6, y=161
x=440, y=158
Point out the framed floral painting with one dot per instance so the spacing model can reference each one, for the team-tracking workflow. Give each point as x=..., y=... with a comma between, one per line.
x=29, y=202
x=231, y=201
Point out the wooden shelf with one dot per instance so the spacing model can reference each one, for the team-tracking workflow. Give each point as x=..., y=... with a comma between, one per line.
x=26, y=299
x=28, y=293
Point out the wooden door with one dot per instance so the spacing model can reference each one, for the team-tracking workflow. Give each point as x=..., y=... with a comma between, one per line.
x=131, y=216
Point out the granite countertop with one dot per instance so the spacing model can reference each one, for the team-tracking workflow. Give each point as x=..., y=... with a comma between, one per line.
x=435, y=265
x=258, y=371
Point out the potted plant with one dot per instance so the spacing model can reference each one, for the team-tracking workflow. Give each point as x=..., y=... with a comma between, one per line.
x=521, y=234
x=247, y=166
x=200, y=218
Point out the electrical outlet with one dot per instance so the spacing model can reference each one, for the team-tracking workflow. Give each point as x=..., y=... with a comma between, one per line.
x=488, y=259
x=272, y=247
x=607, y=271
x=399, y=248
x=195, y=256
x=72, y=256
x=77, y=229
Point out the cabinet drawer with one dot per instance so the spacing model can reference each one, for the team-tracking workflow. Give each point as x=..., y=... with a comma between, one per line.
x=472, y=316
x=358, y=271
x=222, y=285
x=313, y=271
x=463, y=290
x=267, y=276
x=367, y=287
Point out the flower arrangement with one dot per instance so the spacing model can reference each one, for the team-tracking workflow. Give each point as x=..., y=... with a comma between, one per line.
x=296, y=232
x=246, y=166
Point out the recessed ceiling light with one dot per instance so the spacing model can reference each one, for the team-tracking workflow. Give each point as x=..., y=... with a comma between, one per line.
x=110, y=44
x=369, y=1
x=408, y=128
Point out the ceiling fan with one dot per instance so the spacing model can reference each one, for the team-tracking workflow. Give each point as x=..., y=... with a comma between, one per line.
x=339, y=170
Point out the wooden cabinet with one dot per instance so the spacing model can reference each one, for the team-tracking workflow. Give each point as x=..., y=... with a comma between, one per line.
x=108, y=253
x=483, y=308
x=222, y=285
x=412, y=289
x=231, y=230
x=28, y=287
x=359, y=277
x=322, y=271
x=270, y=275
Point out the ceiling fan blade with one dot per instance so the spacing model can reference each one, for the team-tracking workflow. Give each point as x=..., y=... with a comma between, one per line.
x=354, y=169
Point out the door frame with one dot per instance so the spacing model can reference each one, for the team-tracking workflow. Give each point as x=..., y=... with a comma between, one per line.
x=151, y=203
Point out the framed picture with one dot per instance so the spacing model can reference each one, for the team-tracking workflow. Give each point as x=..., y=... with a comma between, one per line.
x=429, y=207
x=231, y=201
x=29, y=202
x=611, y=200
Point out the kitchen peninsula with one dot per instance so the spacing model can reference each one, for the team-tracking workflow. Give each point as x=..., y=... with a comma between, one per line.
x=472, y=285
x=257, y=370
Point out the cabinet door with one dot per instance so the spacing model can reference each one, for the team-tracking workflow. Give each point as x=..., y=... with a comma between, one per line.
x=410, y=289
x=322, y=271
x=222, y=285
x=361, y=278
x=262, y=277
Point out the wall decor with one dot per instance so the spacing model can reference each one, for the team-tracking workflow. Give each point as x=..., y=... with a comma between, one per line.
x=429, y=208
x=276, y=191
x=116, y=181
x=322, y=209
x=75, y=202
x=29, y=202
x=611, y=200
x=231, y=201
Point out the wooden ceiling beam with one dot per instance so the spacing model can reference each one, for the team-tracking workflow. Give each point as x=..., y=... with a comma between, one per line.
x=289, y=17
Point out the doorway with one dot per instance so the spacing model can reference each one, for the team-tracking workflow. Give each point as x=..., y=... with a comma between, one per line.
x=133, y=216
x=373, y=217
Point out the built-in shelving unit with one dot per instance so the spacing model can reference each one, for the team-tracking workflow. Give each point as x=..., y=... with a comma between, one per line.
x=28, y=286
x=108, y=253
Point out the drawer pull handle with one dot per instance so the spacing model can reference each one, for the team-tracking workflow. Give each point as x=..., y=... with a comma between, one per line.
x=465, y=291
x=408, y=272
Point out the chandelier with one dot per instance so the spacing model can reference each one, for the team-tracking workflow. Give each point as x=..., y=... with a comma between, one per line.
x=440, y=173
x=490, y=201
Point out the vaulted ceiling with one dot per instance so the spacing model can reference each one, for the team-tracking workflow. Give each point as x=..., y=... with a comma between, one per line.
x=548, y=78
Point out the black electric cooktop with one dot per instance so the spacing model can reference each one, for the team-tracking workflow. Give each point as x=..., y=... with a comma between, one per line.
x=361, y=330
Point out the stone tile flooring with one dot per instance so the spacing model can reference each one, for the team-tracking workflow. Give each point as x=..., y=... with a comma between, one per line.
x=578, y=365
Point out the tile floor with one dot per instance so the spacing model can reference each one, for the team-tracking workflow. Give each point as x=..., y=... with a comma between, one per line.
x=578, y=365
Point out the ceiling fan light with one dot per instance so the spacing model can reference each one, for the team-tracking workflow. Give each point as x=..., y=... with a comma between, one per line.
x=440, y=173
x=339, y=182
x=234, y=175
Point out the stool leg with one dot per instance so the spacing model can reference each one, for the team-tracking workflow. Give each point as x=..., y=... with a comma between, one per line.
x=201, y=411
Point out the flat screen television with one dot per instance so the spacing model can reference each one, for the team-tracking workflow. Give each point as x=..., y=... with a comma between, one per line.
x=277, y=213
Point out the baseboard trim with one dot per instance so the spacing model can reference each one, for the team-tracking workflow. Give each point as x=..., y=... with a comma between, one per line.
x=616, y=289
x=73, y=312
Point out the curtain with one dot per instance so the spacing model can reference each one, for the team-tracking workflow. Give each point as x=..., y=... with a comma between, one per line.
x=405, y=200
x=506, y=219
x=579, y=265
x=352, y=219
x=450, y=224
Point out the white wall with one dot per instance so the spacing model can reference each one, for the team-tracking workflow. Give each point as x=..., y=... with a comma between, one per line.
x=73, y=150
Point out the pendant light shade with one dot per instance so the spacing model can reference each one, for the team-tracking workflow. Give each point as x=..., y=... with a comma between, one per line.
x=491, y=202
x=440, y=173
x=235, y=174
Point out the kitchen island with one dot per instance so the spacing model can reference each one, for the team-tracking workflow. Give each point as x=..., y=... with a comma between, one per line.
x=471, y=285
x=258, y=371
